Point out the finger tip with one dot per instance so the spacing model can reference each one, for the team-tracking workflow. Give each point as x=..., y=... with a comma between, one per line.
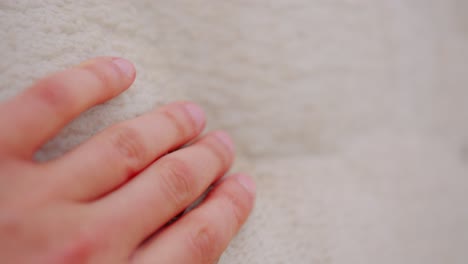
x=126, y=67
x=225, y=139
x=247, y=183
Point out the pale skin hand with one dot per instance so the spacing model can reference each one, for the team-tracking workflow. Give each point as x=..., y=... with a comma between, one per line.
x=108, y=200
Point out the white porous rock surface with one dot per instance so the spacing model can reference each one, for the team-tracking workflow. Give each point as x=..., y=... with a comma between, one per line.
x=352, y=115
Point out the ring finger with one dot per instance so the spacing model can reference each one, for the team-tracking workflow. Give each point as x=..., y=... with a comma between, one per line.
x=203, y=234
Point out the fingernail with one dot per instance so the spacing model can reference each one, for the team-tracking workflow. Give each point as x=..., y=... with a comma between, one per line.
x=246, y=182
x=197, y=114
x=225, y=139
x=125, y=66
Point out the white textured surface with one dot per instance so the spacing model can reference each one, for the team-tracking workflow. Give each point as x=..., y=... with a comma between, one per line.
x=352, y=114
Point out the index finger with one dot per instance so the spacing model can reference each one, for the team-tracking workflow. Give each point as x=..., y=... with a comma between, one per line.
x=34, y=116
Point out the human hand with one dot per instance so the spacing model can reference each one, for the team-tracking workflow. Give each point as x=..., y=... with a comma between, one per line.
x=108, y=200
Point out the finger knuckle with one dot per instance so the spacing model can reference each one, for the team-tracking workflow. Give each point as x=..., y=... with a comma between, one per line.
x=178, y=180
x=183, y=124
x=80, y=249
x=218, y=151
x=10, y=225
x=106, y=75
x=54, y=92
x=129, y=144
x=82, y=246
x=237, y=203
x=205, y=243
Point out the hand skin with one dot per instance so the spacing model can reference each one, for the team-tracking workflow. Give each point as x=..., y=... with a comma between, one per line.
x=108, y=200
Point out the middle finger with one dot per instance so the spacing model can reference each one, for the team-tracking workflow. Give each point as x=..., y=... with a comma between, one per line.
x=112, y=157
x=165, y=188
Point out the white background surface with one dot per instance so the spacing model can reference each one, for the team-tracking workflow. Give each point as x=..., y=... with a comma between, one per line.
x=352, y=115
